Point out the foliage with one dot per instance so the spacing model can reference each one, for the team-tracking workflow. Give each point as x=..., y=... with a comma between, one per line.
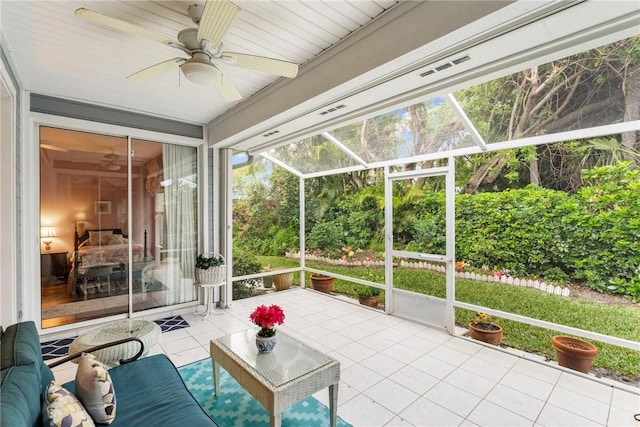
x=602, y=229
x=244, y=263
x=267, y=318
x=327, y=237
x=367, y=291
x=204, y=262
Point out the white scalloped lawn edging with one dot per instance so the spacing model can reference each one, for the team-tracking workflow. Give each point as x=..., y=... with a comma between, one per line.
x=507, y=280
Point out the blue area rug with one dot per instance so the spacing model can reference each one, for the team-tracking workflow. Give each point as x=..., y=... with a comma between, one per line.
x=172, y=323
x=235, y=407
x=57, y=348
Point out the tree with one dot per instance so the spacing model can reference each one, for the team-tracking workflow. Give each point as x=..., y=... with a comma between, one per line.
x=595, y=87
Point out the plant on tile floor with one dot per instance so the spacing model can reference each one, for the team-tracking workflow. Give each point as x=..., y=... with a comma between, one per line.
x=482, y=328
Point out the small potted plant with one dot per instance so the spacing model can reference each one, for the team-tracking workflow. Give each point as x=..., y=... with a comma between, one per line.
x=482, y=328
x=267, y=281
x=210, y=268
x=368, y=295
x=267, y=317
x=322, y=283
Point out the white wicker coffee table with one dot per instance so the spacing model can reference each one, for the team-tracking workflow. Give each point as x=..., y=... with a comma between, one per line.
x=279, y=379
x=148, y=332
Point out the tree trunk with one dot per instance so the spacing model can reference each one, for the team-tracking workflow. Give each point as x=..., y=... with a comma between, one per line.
x=485, y=174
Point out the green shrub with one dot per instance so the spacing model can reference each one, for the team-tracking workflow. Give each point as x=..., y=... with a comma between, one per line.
x=244, y=263
x=283, y=240
x=326, y=237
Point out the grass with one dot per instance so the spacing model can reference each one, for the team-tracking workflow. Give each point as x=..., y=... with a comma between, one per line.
x=618, y=321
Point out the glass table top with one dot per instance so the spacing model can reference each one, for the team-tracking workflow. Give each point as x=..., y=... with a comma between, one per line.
x=289, y=360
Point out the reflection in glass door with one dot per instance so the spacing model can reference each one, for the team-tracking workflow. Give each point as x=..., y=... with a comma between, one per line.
x=117, y=236
x=165, y=210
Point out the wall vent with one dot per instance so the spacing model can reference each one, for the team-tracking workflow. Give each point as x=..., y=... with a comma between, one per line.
x=268, y=134
x=333, y=109
x=446, y=65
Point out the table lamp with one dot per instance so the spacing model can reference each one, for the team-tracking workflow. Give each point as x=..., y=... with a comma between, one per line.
x=47, y=233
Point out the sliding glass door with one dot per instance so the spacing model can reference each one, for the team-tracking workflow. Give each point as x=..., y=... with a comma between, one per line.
x=119, y=225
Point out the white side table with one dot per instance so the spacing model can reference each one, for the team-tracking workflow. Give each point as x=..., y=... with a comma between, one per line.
x=209, y=293
x=148, y=332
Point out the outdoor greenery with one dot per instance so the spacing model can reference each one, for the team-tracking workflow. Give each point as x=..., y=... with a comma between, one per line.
x=588, y=237
x=563, y=212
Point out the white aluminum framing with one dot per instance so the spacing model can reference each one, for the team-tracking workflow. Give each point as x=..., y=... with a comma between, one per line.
x=449, y=173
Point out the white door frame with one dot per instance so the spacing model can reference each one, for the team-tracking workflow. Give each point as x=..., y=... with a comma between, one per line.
x=423, y=308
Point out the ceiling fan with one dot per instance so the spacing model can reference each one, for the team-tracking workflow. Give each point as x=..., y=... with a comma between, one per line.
x=110, y=162
x=204, y=46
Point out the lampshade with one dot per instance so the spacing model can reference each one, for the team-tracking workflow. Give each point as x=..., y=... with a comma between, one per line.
x=47, y=232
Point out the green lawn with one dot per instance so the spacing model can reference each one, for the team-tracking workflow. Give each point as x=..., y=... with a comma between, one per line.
x=618, y=321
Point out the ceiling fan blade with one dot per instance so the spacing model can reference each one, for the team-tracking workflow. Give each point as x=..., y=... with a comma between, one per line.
x=226, y=87
x=156, y=70
x=261, y=63
x=99, y=18
x=53, y=147
x=218, y=16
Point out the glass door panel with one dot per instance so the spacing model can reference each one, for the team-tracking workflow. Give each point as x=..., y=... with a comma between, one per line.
x=165, y=224
x=83, y=206
x=100, y=255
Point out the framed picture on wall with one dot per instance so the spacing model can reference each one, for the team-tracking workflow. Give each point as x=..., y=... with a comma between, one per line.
x=103, y=207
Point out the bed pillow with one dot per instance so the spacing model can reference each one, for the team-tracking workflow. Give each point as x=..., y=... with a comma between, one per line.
x=100, y=237
x=85, y=243
x=95, y=390
x=64, y=409
x=115, y=239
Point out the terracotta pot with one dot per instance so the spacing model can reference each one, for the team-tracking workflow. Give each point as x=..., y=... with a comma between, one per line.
x=369, y=301
x=573, y=353
x=283, y=281
x=322, y=283
x=489, y=336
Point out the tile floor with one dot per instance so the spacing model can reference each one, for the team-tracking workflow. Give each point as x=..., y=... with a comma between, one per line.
x=396, y=372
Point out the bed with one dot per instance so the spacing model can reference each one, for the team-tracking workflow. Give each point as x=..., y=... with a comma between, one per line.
x=97, y=249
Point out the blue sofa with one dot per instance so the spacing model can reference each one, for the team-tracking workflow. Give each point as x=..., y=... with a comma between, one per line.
x=148, y=390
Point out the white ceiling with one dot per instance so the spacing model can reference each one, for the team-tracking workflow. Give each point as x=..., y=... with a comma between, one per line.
x=56, y=53
x=366, y=55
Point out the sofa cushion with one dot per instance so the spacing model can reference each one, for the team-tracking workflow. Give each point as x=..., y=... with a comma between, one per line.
x=94, y=389
x=20, y=345
x=151, y=388
x=21, y=397
x=63, y=409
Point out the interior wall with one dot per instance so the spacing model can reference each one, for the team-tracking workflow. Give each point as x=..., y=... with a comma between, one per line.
x=10, y=250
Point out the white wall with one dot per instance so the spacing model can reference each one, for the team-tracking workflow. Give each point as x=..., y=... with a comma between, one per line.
x=8, y=248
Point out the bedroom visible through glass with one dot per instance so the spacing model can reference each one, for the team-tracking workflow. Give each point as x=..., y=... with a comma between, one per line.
x=101, y=256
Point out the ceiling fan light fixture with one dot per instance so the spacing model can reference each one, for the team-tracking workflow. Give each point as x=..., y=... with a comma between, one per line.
x=200, y=72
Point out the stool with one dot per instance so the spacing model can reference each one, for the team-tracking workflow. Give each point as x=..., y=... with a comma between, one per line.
x=208, y=289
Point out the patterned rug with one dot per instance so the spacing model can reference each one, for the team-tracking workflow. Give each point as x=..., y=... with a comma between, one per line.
x=56, y=348
x=237, y=408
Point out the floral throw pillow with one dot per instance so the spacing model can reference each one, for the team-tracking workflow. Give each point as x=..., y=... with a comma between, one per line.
x=94, y=389
x=64, y=409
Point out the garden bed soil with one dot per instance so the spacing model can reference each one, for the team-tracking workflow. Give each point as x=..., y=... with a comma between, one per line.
x=582, y=292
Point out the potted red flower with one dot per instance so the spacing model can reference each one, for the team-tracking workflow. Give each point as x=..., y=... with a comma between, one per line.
x=267, y=318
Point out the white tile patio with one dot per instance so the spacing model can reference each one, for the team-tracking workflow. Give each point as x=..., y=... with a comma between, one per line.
x=399, y=373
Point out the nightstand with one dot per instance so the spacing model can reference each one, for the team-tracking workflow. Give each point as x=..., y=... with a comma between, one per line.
x=53, y=267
